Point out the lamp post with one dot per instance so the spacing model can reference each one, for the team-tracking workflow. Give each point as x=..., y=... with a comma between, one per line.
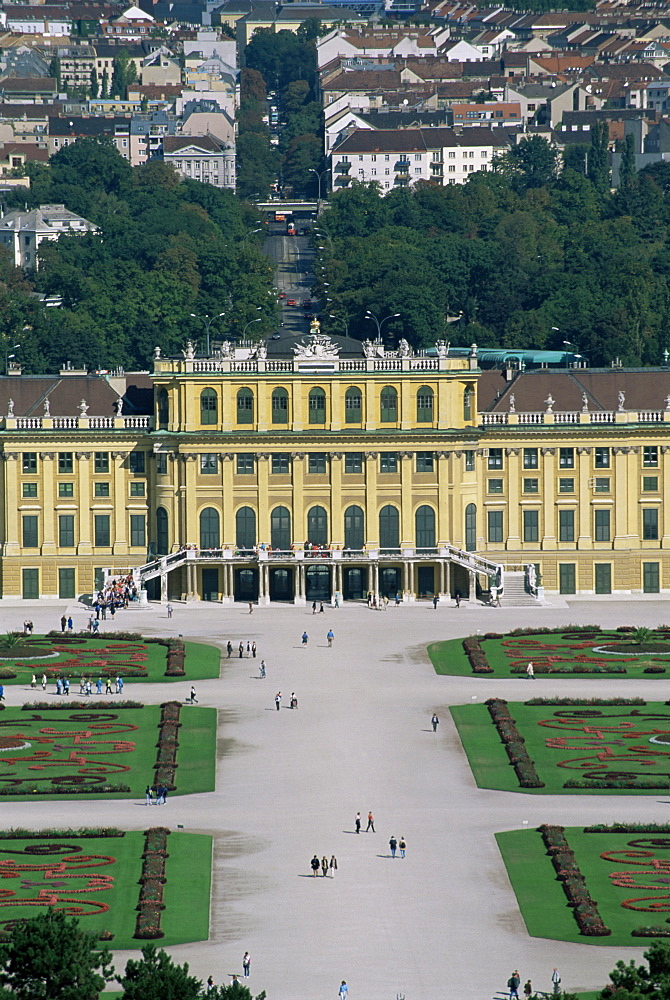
x=259, y=319
x=9, y=356
x=207, y=320
x=342, y=319
x=250, y=233
x=379, y=324
x=319, y=175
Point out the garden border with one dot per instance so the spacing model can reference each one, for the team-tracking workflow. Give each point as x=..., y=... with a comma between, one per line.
x=150, y=903
x=584, y=908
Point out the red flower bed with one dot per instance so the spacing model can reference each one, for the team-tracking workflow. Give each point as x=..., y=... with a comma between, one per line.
x=152, y=880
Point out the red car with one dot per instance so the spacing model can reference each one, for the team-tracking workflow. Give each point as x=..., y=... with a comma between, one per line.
x=291, y=302
x=282, y=295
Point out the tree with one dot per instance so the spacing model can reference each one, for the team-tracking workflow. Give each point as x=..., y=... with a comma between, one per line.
x=534, y=161
x=94, y=164
x=54, y=71
x=124, y=74
x=51, y=958
x=94, y=82
x=252, y=85
x=156, y=977
x=104, y=86
x=598, y=166
x=235, y=991
x=627, y=171
x=303, y=155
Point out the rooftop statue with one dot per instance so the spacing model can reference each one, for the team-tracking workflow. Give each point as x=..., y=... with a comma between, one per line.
x=317, y=345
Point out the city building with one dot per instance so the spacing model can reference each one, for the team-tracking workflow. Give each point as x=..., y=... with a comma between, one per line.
x=22, y=232
x=202, y=158
x=337, y=466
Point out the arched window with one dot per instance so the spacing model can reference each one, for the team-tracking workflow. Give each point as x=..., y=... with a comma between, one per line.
x=280, y=529
x=389, y=527
x=209, y=408
x=424, y=405
x=245, y=406
x=353, y=406
x=389, y=405
x=468, y=399
x=164, y=408
x=245, y=528
x=317, y=406
x=354, y=528
x=470, y=527
x=317, y=526
x=162, y=536
x=425, y=527
x=279, y=406
x=210, y=535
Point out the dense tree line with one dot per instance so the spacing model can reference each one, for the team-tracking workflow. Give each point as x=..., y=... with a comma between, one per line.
x=166, y=249
x=528, y=256
x=284, y=63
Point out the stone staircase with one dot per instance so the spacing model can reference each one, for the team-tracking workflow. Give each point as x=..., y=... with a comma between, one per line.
x=515, y=595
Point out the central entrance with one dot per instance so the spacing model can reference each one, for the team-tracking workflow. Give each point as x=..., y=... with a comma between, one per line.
x=281, y=584
x=354, y=579
x=210, y=583
x=246, y=584
x=317, y=583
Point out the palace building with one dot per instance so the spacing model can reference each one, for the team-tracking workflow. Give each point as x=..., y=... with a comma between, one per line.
x=301, y=469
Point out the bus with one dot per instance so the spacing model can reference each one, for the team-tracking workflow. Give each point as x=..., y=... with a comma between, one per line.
x=290, y=227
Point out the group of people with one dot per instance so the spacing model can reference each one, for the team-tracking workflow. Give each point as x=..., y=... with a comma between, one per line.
x=156, y=794
x=250, y=649
x=85, y=685
x=324, y=865
x=28, y=627
x=514, y=982
x=380, y=603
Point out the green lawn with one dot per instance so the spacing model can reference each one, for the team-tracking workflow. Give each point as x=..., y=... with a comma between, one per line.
x=113, y=888
x=543, y=903
x=100, y=657
x=589, y=753
x=97, y=749
x=566, y=653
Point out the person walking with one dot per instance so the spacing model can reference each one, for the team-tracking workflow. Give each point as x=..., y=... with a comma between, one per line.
x=305, y=638
x=343, y=991
x=2, y=692
x=229, y=648
x=241, y=649
x=513, y=985
x=436, y=601
x=262, y=668
x=210, y=983
x=278, y=700
x=253, y=650
x=457, y=598
x=248, y=648
x=393, y=844
x=44, y=682
x=251, y=607
x=96, y=627
x=66, y=686
x=371, y=823
x=98, y=685
x=528, y=989
x=358, y=822
x=108, y=685
x=169, y=610
x=333, y=866
x=324, y=866
x=556, y=982
x=294, y=701
x=315, y=865
x=402, y=847
x=33, y=682
x=246, y=964
x=194, y=700
x=435, y=722
x=530, y=671
x=321, y=608
x=330, y=635
x=149, y=795
x=63, y=623
x=313, y=607
x=70, y=624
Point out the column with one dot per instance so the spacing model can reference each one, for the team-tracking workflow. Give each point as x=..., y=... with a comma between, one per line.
x=191, y=584
x=375, y=579
x=371, y=516
x=584, y=534
x=119, y=514
x=84, y=546
x=407, y=539
x=443, y=526
x=164, y=586
x=11, y=500
x=263, y=584
x=411, y=590
x=48, y=518
x=300, y=587
x=227, y=516
x=299, y=525
x=407, y=413
x=333, y=581
x=664, y=479
x=191, y=511
x=472, y=594
x=513, y=510
x=262, y=472
x=336, y=512
x=548, y=536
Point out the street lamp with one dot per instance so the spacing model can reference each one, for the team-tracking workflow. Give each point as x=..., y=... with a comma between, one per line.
x=251, y=233
x=207, y=320
x=342, y=319
x=378, y=324
x=9, y=356
x=259, y=319
x=319, y=176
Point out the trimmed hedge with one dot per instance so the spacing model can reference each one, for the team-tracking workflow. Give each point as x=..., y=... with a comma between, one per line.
x=585, y=909
x=514, y=744
x=152, y=880
x=49, y=706
x=168, y=743
x=585, y=701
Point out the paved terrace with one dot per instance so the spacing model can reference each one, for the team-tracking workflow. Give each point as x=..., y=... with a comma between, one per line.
x=442, y=922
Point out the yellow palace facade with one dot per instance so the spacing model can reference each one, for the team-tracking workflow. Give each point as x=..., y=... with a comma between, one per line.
x=335, y=469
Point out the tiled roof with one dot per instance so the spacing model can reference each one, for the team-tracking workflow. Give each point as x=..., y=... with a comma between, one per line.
x=418, y=140
x=29, y=392
x=208, y=143
x=644, y=389
x=13, y=84
x=66, y=125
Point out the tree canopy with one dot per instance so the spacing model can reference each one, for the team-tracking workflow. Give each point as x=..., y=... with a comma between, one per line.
x=514, y=253
x=166, y=249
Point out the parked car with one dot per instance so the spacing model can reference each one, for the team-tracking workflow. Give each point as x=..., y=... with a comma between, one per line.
x=291, y=302
x=307, y=303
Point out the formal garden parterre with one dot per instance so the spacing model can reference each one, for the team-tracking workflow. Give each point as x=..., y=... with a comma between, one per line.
x=584, y=650
x=111, y=749
x=126, y=654
x=600, y=884
x=124, y=887
x=562, y=745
